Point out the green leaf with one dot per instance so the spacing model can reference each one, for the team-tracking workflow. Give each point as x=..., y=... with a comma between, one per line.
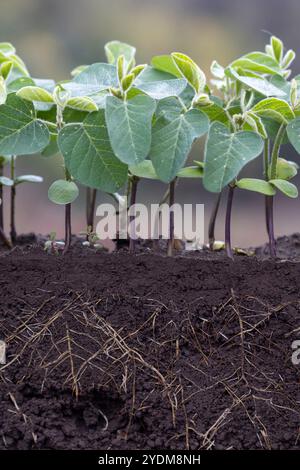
x=82, y=103
x=5, y=160
x=93, y=79
x=144, y=169
x=285, y=187
x=288, y=59
x=78, y=70
x=272, y=127
x=261, y=85
x=159, y=85
x=172, y=142
x=282, y=84
x=29, y=179
x=6, y=68
x=115, y=49
x=6, y=181
x=190, y=70
x=34, y=93
x=19, y=83
x=285, y=170
x=7, y=49
x=190, y=172
x=217, y=70
x=165, y=63
x=127, y=82
x=170, y=108
x=20, y=132
x=293, y=132
x=276, y=109
x=129, y=127
x=256, y=185
x=52, y=148
x=216, y=113
x=254, y=123
x=88, y=154
x=277, y=46
x=257, y=62
x=19, y=66
x=3, y=91
x=63, y=192
x=226, y=154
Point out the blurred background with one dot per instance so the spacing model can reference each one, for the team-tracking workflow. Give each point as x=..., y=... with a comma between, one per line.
x=53, y=36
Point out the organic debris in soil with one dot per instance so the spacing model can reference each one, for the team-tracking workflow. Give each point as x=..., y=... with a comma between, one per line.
x=113, y=351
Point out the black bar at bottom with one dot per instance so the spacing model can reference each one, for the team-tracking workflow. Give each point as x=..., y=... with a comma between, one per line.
x=137, y=459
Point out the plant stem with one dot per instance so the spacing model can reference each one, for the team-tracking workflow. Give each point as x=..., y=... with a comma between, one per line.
x=13, y=232
x=270, y=212
x=212, y=222
x=4, y=239
x=266, y=170
x=68, y=219
x=172, y=220
x=134, y=186
x=273, y=175
x=155, y=242
x=276, y=150
x=1, y=200
x=91, y=196
x=68, y=207
x=228, y=222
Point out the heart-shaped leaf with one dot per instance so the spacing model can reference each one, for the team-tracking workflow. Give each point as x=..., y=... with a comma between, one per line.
x=88, y=154
x=63, y=192
x=256, y=185
x=21, y=133
x=172, y=141
x=226, y=154
x=129, y=127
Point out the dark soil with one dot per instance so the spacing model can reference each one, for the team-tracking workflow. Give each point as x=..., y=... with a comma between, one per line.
x=114, y=351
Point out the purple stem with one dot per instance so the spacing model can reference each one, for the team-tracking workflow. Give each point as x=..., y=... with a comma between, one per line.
x=228, y=222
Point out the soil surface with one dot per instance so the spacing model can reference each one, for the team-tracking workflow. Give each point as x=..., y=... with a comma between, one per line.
x=114, y=351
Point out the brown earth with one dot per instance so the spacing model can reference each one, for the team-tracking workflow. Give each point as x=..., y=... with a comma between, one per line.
x=114, y=351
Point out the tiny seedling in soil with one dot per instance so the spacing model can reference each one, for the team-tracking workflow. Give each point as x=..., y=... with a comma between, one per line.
x=92, y=239
x=52, y=246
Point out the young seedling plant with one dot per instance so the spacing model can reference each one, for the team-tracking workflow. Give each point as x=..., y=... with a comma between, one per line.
x=252, y=89
x=117, y=123
x=20, y=133
x=141, y=115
